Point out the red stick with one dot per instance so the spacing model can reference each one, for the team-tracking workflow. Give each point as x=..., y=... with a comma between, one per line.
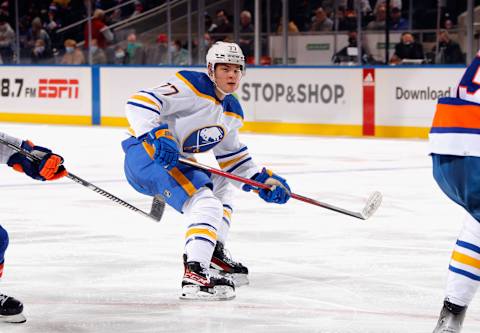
x=373, y=201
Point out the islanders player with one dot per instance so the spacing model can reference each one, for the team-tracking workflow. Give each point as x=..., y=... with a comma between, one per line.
x=455, y=149
x=48, y=168
x=191, y=113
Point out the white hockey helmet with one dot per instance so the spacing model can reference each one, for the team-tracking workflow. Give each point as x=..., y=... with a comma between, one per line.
x=225, y=53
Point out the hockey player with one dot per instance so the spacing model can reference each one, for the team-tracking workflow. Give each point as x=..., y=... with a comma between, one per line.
x=455, y=150
x=48, y=168
x=191, y=113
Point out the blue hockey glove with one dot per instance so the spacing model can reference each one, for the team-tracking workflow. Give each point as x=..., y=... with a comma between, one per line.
x=279, y=191
x=49, y=167
x=165, y=147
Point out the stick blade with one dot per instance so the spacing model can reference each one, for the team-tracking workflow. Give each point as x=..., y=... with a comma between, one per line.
x=158, y=207
x=373, y=202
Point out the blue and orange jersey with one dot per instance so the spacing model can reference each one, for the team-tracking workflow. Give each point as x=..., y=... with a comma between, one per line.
x=456, y=128
x=456, y=124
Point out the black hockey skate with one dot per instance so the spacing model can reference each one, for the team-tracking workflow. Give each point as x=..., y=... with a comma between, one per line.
x=199, y=283
x=451, y=318
x=224, y=265
x=11, y=310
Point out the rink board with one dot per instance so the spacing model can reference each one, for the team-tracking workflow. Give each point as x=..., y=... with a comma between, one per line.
x=338, y=101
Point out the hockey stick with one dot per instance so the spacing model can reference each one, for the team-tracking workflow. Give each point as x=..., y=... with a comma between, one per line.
x=158, y=205
x=372, y=204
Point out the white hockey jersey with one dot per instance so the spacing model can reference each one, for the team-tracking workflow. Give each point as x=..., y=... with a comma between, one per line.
x=6, y=152
x=198, y=120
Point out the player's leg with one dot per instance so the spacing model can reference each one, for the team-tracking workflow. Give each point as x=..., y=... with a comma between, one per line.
x=463, y=187
x=463, y=278
x=188, y=190
x=10, y=308
x=222, y=260
x=204, y=213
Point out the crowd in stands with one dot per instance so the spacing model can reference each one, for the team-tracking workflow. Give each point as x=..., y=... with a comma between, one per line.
x=42, y=43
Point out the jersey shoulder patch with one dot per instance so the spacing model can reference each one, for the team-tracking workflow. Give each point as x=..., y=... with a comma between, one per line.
x=232, y=107
x=199, y=83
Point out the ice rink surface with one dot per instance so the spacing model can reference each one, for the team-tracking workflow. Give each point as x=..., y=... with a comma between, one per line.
x=81, y=263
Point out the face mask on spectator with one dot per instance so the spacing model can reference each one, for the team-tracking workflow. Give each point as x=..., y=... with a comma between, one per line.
x=69, y=49
x=173, y=48
x=39, y=49
x=119, y=54
x=94, y=48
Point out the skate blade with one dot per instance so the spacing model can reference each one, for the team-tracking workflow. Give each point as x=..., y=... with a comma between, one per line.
x=15, y=319
x=238, y=279
x=219, y=293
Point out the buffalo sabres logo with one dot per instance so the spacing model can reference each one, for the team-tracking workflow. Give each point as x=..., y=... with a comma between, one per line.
x=203, y=139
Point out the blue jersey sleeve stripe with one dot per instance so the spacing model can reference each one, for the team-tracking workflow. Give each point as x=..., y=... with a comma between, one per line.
x=231, y=154
x=229, y=207
x=142, y=106
x=153, y=95
x=469, y=246
x=236, y=166
x=441, y=130
x=464, y=273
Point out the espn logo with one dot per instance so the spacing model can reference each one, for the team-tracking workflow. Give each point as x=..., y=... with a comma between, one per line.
x=58, y=88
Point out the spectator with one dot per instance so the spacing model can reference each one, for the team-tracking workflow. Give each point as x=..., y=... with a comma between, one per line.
x=380, y=19
x=448, y=24
x=100, y=31
x=134, y=50
x=246, y=33
x=365, y=7
x=179, y=54
x=223, y=25
x=138, y=9
x=449, y=52
x=157, y=54
x=120, y=56
x=98, y=54
x=347, y=19
x=37, y=32
x=349, y=54
x=4, y=8
x=408, y=48
x=209, y=24
x=73, y=55
x=52, y=24
x=292, y=27
x=39, y=52
x=7, y=41
x=397, y=21
x=321, y=22
x=393, y=4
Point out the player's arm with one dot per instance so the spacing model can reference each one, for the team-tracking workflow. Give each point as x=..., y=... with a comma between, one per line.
x=146, y=112
x=148, y=108
x=48, y=167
